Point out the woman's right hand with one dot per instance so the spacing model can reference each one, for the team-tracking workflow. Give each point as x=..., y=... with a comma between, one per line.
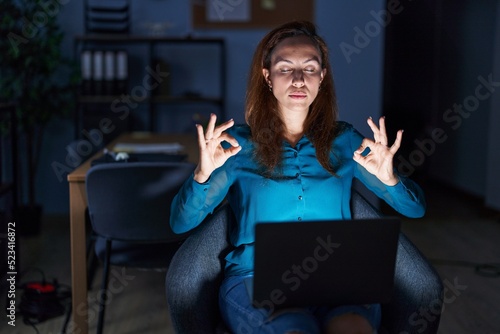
x=212, y=154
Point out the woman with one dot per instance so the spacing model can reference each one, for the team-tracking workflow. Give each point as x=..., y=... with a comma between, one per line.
x=293, y=160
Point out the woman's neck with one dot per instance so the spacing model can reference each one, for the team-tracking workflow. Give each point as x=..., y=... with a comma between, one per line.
x=293, y=139
x=294, y=126
x=293, y=132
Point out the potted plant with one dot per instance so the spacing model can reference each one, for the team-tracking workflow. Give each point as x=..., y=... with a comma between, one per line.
x=34, y=74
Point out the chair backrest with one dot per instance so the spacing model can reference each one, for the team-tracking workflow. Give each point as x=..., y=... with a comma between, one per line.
x=131, y=201
x=361, y=208
x=196, y=272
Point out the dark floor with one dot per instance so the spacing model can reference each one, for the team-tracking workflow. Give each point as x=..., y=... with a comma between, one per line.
x=461, y=238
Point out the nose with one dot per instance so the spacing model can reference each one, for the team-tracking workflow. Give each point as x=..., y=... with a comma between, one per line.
x=298, y=79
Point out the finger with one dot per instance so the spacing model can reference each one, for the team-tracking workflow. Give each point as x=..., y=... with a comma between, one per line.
x=382, y=131
x=397, y=143
x=210, y=127
x=223, y=127
x=358, y=158
x=201, y=136
x=365, y=143
x=374, y=128
x=230, y=139
x=233, y=150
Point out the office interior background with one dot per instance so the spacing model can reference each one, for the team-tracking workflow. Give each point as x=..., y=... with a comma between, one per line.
x=414, y=65
x=431, y=67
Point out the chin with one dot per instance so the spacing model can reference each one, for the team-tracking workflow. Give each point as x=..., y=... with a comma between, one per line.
x=299, y=106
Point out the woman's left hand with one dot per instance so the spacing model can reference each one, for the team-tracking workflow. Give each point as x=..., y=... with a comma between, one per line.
x=379, y=161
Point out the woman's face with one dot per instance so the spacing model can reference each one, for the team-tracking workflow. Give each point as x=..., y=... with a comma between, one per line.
x=295, y=74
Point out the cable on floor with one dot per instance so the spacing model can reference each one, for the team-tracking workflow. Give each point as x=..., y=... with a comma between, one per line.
x=42, y=300
x=481, y=269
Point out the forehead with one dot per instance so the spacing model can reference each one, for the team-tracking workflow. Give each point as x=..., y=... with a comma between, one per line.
x=297, y=47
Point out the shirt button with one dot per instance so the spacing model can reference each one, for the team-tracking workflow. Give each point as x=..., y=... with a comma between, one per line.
x=300, y=198
x=295, y=154
x=205, y=189
x=299, y=219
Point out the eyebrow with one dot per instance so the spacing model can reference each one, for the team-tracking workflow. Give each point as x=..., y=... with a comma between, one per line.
x=281, y=59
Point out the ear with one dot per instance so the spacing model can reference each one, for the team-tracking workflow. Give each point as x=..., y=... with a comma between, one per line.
x=265, y=73
x=323, y=73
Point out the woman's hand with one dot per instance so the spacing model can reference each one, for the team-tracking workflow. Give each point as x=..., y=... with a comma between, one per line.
x=212, y=154
x=379, y=161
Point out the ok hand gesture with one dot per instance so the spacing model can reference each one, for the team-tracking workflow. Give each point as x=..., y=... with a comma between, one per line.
x=379, y=161
x=212, y=154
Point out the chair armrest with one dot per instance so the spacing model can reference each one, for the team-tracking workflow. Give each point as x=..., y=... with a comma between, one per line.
x=418, y=293
x=195, y=274
x=361, y=208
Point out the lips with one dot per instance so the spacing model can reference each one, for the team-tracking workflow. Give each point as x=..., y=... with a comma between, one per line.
x=298, y=95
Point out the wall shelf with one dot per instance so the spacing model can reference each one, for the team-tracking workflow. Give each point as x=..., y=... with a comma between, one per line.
x=152, y=99
x=87, y=102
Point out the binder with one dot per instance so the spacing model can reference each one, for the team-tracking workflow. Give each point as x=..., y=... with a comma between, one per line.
x=86, y=72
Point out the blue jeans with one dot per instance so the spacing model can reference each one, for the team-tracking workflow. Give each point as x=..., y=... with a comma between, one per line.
x=243, y=318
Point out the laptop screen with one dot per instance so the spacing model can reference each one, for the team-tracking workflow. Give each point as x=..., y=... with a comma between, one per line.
x=324, y=262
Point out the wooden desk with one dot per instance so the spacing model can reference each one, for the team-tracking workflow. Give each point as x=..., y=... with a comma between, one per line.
x=77, y=207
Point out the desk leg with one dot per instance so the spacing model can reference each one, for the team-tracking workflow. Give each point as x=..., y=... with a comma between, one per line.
x=78, y=205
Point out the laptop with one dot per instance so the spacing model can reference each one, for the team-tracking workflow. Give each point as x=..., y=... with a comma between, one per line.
x=324, y=263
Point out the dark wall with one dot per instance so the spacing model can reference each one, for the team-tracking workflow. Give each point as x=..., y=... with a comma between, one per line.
x=437, y=54
x=358, y=77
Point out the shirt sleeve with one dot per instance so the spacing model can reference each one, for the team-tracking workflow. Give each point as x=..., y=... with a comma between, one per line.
x=195, y=201
x=406, y=197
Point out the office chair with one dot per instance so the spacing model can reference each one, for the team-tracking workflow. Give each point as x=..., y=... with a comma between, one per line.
x=129, y=210
x=196, y=272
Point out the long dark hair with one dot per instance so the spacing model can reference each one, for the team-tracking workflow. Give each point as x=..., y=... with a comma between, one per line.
x=262, y=114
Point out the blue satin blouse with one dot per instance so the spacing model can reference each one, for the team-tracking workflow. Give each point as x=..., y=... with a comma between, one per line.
x=305, y=191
